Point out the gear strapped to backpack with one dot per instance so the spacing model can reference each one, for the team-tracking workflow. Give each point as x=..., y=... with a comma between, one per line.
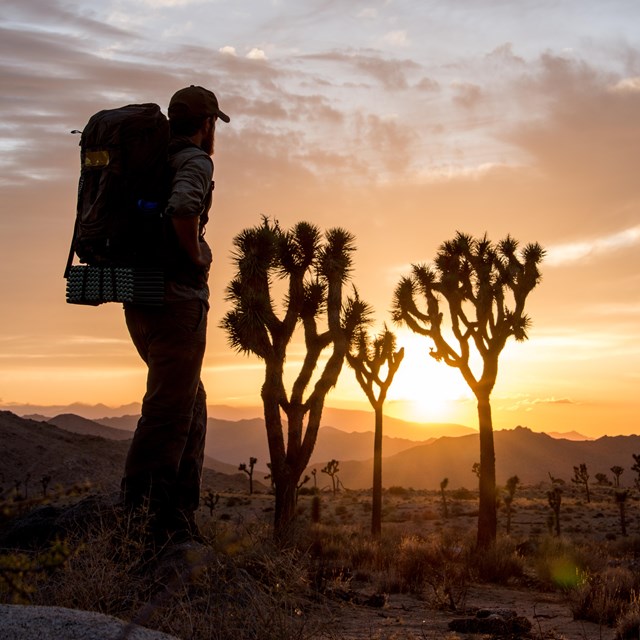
x=122, y=193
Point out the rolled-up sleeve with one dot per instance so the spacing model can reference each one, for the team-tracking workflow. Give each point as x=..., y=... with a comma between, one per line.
x=190, y=186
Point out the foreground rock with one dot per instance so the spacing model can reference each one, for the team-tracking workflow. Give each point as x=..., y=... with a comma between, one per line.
x=18, y=622
x=495, y=622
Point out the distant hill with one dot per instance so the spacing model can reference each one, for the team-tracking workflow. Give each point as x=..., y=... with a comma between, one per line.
x=348, y=420
x=531, y=456
x=78, y=424
x=39, y=448
x=231, y=442
x=33, y=449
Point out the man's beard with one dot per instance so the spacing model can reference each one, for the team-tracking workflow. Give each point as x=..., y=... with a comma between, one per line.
x=207, y=144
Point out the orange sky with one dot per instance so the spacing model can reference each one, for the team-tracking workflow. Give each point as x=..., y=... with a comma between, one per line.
x=402, y=123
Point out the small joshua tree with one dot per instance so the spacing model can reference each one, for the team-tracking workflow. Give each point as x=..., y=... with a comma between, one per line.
x=367, y=357
x=554, y=496
x=210, y=500
x=512, y=485
x=621, y=496
x=331, y=469
x=443, y=485
x=249, y=471
x=44, y=481
x=314, y=473
x=581, y=476
x=617, y=472
x=636, y=468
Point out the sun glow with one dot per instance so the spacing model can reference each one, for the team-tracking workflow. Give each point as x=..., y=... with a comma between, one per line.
x=424, y=390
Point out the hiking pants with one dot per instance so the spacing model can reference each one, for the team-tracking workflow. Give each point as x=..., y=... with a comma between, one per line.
x=164, y=463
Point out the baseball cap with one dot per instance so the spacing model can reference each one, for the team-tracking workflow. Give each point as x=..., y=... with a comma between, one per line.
x=195, y=102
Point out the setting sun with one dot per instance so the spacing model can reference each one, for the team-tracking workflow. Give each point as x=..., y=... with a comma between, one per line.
x=424, y=390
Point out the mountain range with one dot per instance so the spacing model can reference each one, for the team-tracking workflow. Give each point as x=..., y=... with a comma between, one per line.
x=71, y=448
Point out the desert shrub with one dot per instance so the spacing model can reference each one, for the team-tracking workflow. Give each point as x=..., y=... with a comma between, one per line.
x=627, y=547
x=435, y=568
x=604, y=597
x=462, y=493
x=256, y=592
x=559, y=563
x=628, y=626
x=341, y=510
x=20, y=572
x=398, y=492
x=500, y=564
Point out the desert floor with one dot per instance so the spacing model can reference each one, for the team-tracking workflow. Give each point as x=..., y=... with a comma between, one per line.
x=419, y=514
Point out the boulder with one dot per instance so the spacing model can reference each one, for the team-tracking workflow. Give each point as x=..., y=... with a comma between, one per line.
x=20, y=622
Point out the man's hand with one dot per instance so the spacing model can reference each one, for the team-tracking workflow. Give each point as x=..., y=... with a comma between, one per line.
x=188, y=233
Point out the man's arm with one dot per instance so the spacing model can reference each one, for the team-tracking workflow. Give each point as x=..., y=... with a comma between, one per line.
x=188, y=233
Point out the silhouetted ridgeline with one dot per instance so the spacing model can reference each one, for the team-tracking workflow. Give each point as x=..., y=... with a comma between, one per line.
x=39, y=448
x=32, y=449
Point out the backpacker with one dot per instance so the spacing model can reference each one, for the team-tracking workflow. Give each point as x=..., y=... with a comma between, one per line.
x=122, y=193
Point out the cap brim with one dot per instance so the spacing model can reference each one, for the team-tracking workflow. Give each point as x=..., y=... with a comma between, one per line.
x=223, y=116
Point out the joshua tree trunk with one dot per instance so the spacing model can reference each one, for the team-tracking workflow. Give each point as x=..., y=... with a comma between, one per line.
x=376, y=507
x=487, y=518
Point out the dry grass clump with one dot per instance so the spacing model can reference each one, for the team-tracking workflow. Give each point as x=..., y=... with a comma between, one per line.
x=628, y=627
x=559, y=563
x=501, y=564
x=239, y=587
x=605, y=597
x=244, y=586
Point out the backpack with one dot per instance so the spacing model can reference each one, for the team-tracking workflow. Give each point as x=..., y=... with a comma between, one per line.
x=122, y=193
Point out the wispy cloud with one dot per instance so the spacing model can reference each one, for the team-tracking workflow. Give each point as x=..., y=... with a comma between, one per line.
x=562, y=254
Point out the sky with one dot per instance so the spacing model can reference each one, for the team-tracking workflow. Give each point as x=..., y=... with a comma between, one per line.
x=401, y=121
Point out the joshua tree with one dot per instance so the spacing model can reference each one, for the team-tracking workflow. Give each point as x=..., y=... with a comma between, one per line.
x=249, y=472
x=621, y=496
x=476, y=469
x=44, y=481
x=443, y=485
x=367, y=357
x=512, y=485
x=314, y=473
x=315, y=270
x=555, y=500
x=331, y=469
x=483, y=287
x=617, y=472
x=581, y=476
x=636, y=468
x=210, y=500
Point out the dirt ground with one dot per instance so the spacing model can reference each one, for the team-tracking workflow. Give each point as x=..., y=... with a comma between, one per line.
x=420, y=513
x=406, y=618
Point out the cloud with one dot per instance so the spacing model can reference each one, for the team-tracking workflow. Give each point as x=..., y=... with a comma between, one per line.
x=558, y=255
x=256, y=54
x=525, y=403
x=228, y=51
x=397, y=38
x=504, y=55
x=392, y=74
x=627, y=85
